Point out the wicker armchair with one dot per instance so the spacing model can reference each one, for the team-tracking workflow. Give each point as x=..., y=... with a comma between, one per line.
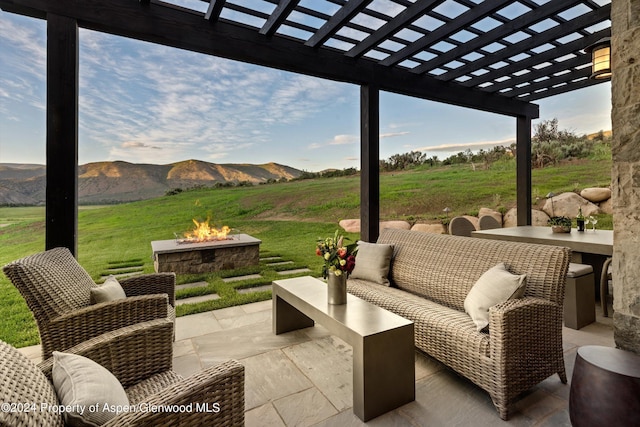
x=57, y=291
x=140, y=356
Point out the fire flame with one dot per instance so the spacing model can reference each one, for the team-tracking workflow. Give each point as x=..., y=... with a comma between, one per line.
x=203, y=232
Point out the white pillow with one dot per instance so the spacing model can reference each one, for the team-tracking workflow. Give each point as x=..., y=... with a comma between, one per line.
x=496, y=285
x=82, y=382
x=110, y=290
x=372, y=262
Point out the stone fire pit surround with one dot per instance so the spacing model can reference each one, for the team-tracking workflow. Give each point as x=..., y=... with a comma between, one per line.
x=240, y=250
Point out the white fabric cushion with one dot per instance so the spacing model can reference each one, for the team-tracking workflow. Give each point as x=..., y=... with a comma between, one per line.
x=110, y=290
x=496, y=285
x=372, y=262
x=82, y=382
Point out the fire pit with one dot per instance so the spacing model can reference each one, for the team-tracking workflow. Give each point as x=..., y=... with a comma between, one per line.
x=205, y=249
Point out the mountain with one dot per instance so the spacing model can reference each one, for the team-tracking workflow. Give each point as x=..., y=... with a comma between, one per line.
x=113, y=182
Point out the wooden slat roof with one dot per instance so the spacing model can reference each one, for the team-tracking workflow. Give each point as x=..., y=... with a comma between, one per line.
x=492, y=55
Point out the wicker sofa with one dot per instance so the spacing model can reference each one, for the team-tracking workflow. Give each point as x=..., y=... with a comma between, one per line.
x=57, y=290
x=140, y=357
x=431, y=274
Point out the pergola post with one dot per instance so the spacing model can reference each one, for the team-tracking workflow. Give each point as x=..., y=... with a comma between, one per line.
x=62, y=133
x=369, y=163
x=523, y=169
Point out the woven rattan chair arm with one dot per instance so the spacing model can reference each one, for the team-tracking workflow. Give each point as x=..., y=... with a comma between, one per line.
x=520, y=325
x=73, y=328
x=156, y=283
x=133, y=353
x=213, y=397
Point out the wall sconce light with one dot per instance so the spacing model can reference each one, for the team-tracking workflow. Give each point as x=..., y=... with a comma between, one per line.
x=601, y=58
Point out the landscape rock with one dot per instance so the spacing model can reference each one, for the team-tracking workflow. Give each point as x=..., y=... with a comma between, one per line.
x=495, y=214
x=567, y=204
x=350, y=225
x=597, y=194
x=430, y=228
x=401, y=225
x=607, y=206
x=538, y=218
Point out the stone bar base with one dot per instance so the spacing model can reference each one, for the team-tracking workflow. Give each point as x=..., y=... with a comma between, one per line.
x=205, y=257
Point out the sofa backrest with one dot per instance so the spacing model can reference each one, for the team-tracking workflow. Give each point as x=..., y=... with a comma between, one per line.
x=443, y=268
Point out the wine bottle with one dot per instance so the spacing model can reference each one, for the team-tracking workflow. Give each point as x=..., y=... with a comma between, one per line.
x=580, y=220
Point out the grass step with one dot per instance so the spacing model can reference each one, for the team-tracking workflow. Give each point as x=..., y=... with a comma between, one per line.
x=201, y=284
x=296, y=271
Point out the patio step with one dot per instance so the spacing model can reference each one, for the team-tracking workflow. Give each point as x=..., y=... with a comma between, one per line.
x=200, y=298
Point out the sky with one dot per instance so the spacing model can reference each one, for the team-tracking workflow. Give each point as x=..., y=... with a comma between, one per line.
x=146, y=103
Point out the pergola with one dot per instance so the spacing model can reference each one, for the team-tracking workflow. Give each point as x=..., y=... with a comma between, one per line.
x=493, y=55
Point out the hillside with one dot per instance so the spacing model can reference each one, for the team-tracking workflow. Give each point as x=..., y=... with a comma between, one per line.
x=114, y=182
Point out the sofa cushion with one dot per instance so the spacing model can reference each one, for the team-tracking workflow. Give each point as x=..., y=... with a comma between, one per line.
x=438, y=330
x=110, y=290
x=372, y=262
x=496, y=285
x=80, y=382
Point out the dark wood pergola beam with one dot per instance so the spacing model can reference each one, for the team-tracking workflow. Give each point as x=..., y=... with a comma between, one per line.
x=539, y=58
x=185, y=29
x=523, y=21
x=560, y=89
x=547, y=36
x=214, y=10
x=400, y=21
x=61, y=213
x=279, y=15
x=337, y=20
x=469, y=17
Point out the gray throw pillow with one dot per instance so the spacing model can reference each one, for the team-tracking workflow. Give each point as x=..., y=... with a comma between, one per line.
x=373, y=261
x=110, y=290
x=496, y=285
x=88, y=387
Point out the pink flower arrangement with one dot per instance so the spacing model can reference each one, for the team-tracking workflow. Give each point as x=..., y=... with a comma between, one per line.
x=338, y=258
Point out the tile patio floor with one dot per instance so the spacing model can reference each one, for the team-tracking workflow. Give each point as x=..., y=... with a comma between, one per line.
x=303, y=378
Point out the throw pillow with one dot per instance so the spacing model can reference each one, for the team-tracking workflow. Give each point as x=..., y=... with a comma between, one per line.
x=110, y=290
x=496, y=285
x=373, y=261
x=81, y=383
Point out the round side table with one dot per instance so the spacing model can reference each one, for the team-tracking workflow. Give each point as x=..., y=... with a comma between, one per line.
x=605, y=388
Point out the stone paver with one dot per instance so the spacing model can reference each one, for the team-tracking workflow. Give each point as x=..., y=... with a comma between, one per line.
x=294, y=271
x=199, y=298
x=316, y=408
x=239, y=278
x=263, y=416
x=279, y=263
x=254, y=289
x=201, y=284
x=270, y=258
x=196, y=325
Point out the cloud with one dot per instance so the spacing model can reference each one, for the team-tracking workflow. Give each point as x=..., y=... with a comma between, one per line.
x=468, y=145
x=136, y=144
x=190, y=104
x=392, y=134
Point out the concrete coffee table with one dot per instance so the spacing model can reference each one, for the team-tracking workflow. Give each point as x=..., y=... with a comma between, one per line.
x=383, y=348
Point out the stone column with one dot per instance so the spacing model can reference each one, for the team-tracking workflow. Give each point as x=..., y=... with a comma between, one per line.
x=625, y=117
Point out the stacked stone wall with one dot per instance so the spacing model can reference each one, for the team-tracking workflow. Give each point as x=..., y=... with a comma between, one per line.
x=625, y=114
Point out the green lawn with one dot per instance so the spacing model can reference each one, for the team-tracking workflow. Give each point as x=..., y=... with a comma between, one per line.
x=287, y=217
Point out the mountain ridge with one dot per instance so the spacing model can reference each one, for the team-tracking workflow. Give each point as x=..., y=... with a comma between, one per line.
x=120, y=181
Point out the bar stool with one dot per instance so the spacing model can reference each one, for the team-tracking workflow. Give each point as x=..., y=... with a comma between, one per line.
x=579, y=296
x=605, y=297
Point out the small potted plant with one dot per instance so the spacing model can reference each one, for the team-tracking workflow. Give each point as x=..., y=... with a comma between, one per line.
x=560, y=224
